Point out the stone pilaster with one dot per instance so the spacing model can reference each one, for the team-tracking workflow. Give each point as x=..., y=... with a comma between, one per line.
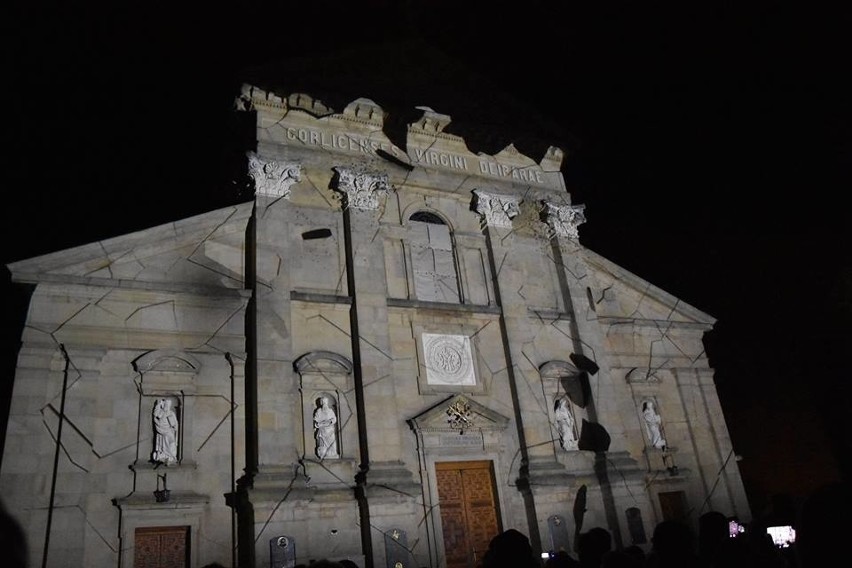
x=363, y=194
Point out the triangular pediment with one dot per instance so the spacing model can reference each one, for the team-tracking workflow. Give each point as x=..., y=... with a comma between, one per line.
x=206, y=250
x=623, y=294
x=456, y=413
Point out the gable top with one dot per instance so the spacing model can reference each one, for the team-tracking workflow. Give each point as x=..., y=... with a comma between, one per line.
x=205, y=250
x=657, y=304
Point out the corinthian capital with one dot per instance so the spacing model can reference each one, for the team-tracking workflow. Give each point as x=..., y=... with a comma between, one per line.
x=496, y=210
x=273, y=178
x=563, y=220
x=361, y=189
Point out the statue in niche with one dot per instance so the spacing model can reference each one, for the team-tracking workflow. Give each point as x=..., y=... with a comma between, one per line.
x=165, y=433
x=653, y=424
x=565, y=424
x=325, y=429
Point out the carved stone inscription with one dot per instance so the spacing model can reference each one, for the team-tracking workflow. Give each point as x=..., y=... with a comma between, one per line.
x=448, y=360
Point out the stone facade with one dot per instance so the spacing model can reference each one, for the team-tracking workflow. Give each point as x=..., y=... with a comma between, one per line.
x=436, y=304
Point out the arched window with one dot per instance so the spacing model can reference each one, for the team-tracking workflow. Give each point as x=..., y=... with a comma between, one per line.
x=433, y=262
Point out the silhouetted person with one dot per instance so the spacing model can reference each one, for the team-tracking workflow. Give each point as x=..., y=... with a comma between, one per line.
x=673, y=546
x=592, y=545
x=621, y=559
x=13, y=541
x=715, y=545
x=636, y=551
x=509, y=549
x=824, y=526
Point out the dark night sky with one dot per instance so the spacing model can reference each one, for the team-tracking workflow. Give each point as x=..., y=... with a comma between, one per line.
x=710, y=145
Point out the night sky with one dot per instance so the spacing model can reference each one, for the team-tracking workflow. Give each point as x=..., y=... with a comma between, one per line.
x=710, y=145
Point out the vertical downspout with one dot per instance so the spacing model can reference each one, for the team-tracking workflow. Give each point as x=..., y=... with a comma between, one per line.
x=56, y=456
x=524, y=472
x=358, y=379
x=233, y=465
x=246, y=509
x=251, y=346
x=600, y=457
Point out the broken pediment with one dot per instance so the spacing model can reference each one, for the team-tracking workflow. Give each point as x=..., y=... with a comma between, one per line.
x=363, y=128
x=458, y=414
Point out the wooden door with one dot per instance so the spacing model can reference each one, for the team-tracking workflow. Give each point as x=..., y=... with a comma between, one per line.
x=673, y=505
x=469, y=511
x=161, y=547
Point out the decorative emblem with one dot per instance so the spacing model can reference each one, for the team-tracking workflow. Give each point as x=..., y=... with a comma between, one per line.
x=395, y=534
x=459, y=416
x=448, y=359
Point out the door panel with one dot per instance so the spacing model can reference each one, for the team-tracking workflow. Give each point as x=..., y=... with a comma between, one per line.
x=161, y=547
x=469, y=512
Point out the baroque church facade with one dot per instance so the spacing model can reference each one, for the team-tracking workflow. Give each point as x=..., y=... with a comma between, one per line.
x=389, y=355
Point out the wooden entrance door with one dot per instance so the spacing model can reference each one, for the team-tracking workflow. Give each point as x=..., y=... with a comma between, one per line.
x=161, y=547
x=469, y=513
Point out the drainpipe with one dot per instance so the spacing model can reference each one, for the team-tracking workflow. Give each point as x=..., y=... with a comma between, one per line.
x=358, y=379
x=56, y=456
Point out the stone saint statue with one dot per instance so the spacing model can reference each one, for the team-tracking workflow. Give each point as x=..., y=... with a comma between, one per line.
x=165, y=432
x=565, y=425
x=325, y=429
x=653, y=423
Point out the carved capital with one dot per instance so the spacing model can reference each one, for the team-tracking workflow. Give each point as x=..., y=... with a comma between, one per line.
x=273, y=178
x=361, y=189
x=496, y=210
x=564, y=220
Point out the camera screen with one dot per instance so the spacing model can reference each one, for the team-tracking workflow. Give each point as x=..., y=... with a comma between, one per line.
x=735, y=529
x=782, y=536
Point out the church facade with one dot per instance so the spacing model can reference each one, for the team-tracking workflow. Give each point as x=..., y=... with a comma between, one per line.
x=389, y=355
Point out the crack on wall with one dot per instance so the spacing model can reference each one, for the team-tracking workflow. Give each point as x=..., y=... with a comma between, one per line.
x=278, y=504
x=154, y=305
x=500, y=265
x=603, y=294
x=103, y=539
x=214, y=271
x=64, y=322
x=109, y=261
x=542, y=402
x=623, y=480
x=374, y=381
x=56, y=441
x=213, y=335
x=230, y=411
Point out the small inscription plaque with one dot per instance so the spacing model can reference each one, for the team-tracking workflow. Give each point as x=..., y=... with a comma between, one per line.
x=282, y=552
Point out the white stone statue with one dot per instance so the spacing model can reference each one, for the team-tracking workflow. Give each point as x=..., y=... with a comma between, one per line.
x=165, y=432
x=653, y=424
x=325, y=429
x=565, y=425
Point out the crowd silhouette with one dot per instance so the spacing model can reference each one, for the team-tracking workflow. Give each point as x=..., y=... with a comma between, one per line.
x=822, y=525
